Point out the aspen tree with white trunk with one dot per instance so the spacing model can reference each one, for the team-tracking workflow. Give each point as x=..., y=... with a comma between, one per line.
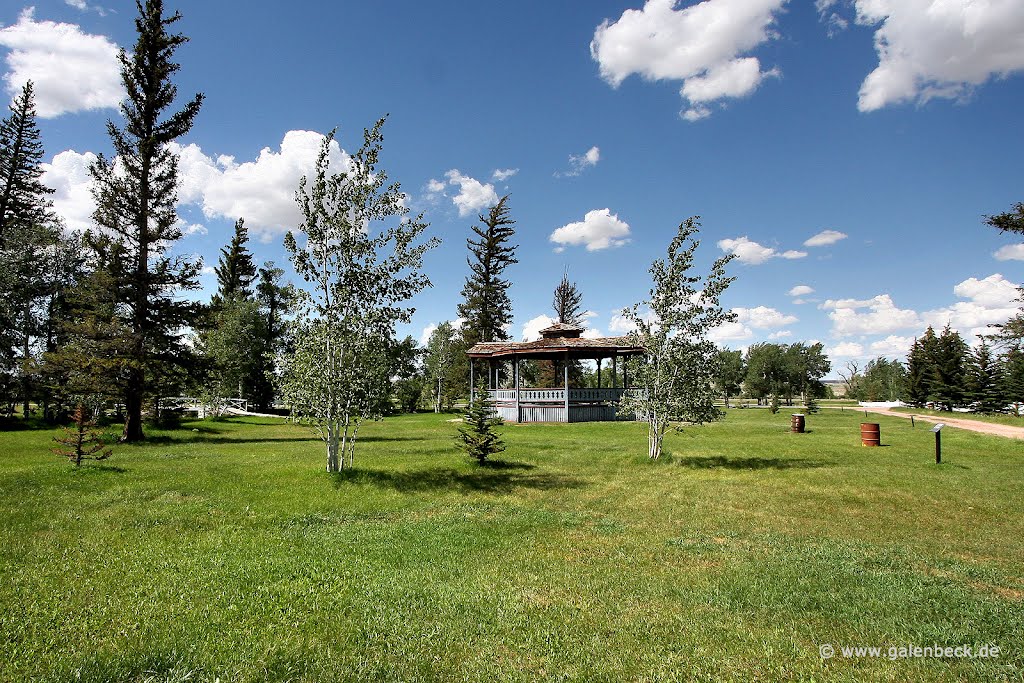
x=680, y=365
x=361, y=260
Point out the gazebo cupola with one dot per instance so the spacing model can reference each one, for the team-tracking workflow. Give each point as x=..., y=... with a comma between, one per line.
x=561, y=331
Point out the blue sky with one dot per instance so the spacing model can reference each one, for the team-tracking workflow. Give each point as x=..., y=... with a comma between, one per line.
x=849, y=147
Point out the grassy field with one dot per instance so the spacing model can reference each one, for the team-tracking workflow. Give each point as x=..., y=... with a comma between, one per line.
x=226, y=553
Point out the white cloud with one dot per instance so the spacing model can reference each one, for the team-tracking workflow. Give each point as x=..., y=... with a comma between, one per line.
x=620, y=324
x=435, y=186
x=882, y=316
x=1011, y=252
x=750, y=252
x=261, y=191
x=763, y=317
x=833, y=20
x=892, y=346
x=781, y=334
x=845, y=350
x=989, y=301
x=68, y=175
x=532, y=327
x=71, y=70
x=731, y=331
x=801, y=290
x=705, y=45
x=473, y=195
x=933, y=48
x=825, y=238
x=501, y=174
x=427, y=331
x=581, y=162
x=599, y=229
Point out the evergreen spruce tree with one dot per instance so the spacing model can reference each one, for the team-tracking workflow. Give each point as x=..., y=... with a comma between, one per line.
x=1013, y=380
x=477, y=436
x=949, y=371
x=81, y=441
x=23, y=198
x=486, y=306
x=919, y=368
x=135, y=204
x=275, y=301
x=235, y=269
x=985, y=381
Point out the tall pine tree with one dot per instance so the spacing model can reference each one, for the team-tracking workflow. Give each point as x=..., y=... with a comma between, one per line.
x=919, y=368
x=986, y=381
x=136, y=205
x=568, y=302
x=486, y=306
x=235, y=269
x=23, y=198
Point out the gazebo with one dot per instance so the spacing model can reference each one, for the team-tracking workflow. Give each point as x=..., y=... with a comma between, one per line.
x=559, y=342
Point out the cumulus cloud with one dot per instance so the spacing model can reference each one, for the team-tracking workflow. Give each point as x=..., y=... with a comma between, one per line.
x=599, y=229
x=825, y=238
x=434, y=186
x=878, y=315
x=473, y=195
x=71, y=70
x=581, y=162
x=532, y=327
x=845, y=350
x=929, y=49
x=781, y=334
x=801, y=290
x=261, y=191
x=1011, y=252
x=706, y=46
x=892, y=346
x=501, y=174
x=990, y=300
x=68, y=175
x=832, y=19
x=763, y=317
x=750, y=252
x=730, y=332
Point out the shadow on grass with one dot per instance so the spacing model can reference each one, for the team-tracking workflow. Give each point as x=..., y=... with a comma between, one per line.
x=716, y=462
x=494, y=477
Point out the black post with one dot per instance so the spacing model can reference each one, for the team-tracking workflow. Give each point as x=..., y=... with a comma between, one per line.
x=938, y=447
x=912, y=421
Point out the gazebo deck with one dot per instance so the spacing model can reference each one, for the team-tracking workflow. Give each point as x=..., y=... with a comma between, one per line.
x=549, y=405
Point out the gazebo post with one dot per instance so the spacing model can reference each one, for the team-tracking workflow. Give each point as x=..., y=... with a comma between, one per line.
x=615, y=371
x=565, y=371
x=515, y=371
x=625, y=375
x=599, y=372
x=472, y=385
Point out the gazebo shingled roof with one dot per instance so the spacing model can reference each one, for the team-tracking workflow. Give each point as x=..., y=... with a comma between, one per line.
x=557, y=340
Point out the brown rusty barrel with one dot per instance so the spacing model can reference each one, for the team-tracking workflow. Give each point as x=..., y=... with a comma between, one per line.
x=870, y=434
x=798, y=423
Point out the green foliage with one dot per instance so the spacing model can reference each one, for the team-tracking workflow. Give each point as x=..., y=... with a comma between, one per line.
x=135, y=212
x=567, y=302
x=235, y=269
x=486, y=307
x=24, y=200
x=731, y=371
x=82, y=441
x=680, y=364
x=477, y=436
x=232, y=346
x=986, y=380
x=361, y=270
x=1009, y=221
x=442, y=381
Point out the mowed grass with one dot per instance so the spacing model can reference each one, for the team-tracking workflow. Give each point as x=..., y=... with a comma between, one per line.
x=227, y=553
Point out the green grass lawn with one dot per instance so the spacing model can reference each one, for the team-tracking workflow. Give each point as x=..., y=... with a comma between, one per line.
x=227, y=553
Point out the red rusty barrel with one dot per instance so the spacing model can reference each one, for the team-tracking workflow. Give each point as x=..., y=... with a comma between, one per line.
x=870, y=434
x=797, y=423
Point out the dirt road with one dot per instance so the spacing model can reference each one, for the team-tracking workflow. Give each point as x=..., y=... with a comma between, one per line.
x=1008, y=431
